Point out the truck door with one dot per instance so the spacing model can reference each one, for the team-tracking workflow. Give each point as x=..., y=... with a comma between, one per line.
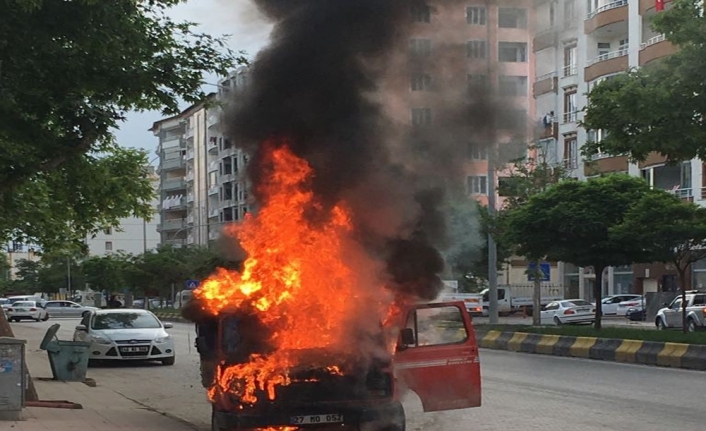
x=437, y=357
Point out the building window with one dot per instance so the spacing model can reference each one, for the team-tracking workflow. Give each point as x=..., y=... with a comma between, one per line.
x=513, y=85
x=477, y=81
x=571, y=149
x=108, y=246
x=570, y=15
x=421, y=13
x=512, y=18
x=570, y=108
x=108, y=231
x=512, y=52
x=476, y=49
x=421, y=82
x=603, y=50
x=477, y=151
x=475, y=15
x=420, y=47
x=477, y=184
x=421, y=117
x=570, y=57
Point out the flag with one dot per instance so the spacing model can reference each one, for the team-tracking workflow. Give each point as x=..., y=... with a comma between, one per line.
x=659, y=5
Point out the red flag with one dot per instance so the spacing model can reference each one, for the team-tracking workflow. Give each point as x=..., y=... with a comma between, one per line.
x=659, y=5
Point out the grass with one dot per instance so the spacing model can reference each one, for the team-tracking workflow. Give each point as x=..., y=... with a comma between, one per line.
x=606, y=332
x=166, y=310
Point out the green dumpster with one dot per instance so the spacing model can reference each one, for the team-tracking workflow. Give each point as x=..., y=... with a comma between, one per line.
x=68, y=359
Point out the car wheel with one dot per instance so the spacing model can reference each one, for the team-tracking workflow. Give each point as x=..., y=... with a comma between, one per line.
x=46, y=317
x=691, y=325
x=557, y=321
x=660, y=325
x=38, y=319
x=169, y=361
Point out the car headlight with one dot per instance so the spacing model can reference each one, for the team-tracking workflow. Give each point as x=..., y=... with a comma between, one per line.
x=160, y=340
x=100, y=340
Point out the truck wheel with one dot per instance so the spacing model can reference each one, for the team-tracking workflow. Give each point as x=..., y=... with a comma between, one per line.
x=691, y=325
x=207, y=373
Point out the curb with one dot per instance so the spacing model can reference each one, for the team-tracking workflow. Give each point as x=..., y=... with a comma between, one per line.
x=675, y=355
x=171, y=317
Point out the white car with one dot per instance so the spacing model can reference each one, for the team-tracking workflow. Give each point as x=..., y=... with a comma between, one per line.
x=27, y=310
x=637, y=303
x=568, y=311
x=610, y=304
x=127, y=335
x=66, y=309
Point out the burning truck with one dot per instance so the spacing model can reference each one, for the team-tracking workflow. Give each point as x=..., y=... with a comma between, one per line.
x=295, y=339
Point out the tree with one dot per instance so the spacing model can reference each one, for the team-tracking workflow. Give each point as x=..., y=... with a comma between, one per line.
x=27, y=275
x=658, y=108
x=106, y=272
x=671, y=230
x=572, y=221
x=70, y=72
x=528, y=178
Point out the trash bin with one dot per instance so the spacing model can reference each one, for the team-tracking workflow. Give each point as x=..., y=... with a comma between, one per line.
x=68, y=359
x=12, y=378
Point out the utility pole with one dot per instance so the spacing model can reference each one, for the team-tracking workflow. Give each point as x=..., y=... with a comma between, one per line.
x=144, y=236
x=492, y=247
x=68, y=273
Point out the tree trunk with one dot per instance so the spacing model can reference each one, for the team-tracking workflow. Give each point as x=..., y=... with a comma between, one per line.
x=681, y=270
x=6, y=331
x=537, y=296
x=598, y=295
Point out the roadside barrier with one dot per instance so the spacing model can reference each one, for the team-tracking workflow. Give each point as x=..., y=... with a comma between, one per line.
x=676, y=355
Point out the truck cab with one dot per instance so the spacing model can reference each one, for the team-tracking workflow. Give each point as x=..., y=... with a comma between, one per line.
x=671, y=315
x=435, y=355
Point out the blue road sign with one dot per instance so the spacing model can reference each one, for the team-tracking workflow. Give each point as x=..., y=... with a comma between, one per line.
x=545, y=267
x=192, y=284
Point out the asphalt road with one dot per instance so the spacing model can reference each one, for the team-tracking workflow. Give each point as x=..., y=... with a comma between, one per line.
x=521, y=392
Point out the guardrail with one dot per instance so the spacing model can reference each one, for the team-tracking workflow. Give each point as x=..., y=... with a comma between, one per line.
x=607, y=56
x=609, y=6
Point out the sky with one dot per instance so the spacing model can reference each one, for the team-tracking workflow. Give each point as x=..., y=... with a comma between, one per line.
x=238, y=18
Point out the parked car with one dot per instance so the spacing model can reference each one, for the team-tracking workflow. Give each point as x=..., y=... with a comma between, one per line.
x=569, y=311
x=671, y=316
x=66, y=309
x=126, y=334
x=636, y=303
x=610, y=304
x=5, y=304
x=636, y=314
x=27, y=310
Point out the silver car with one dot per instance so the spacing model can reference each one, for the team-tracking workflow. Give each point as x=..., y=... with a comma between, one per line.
x=66, y=309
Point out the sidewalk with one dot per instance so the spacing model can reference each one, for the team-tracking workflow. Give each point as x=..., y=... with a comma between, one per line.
x=103, y=409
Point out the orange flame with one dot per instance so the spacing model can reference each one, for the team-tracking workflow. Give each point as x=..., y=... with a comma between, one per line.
x=303, y=281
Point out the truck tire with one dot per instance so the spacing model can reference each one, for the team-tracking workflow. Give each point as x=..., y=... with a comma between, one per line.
x=691, y=325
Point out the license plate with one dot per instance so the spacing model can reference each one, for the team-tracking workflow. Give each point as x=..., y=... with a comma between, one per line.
x=581, y=310
x=316, y=419
x=134, y=349
x=20, y=309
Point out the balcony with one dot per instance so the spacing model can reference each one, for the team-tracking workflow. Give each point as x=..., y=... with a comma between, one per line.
x=570, y=70
x=173, y=224
x=213, y=190
x=655, y=48
x=543, y=84
x=606, y=165
x=212, y=120
x=570, y=117
x=189, y=198
x=189, y=154
x=189, y=133
x=611, y=13
x=213, y=166
x=227, y=152
x=544, y=39
x=190, y=220
x=547, y=131
x=177, y=243
x=174, y=184
x=649, y=5
x=686, y=194
x=190, y=177
x=213, y=147
x=226, y=178
x=213, y=213
x=172, y=164
x=190, y=239
x=227, y=203
x=173, y=204
x=606, y=64
x=213, y=235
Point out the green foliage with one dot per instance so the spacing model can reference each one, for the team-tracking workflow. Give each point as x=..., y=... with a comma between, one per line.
x=657, y=108
x=572, y=221
x=529, y=177
x=670, y=229
x=70, y=71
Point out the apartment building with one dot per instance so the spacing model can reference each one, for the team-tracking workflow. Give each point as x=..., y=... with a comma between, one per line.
x=133, y=235
x=578, y=44
x=202, y=186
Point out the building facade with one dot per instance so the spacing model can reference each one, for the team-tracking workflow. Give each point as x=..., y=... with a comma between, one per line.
x=133, y=235
x=201, y=170
x=578, y=44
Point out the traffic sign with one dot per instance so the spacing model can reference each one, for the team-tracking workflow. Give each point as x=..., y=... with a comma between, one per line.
x=192, y=284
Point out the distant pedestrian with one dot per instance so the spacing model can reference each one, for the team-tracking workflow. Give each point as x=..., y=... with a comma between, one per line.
x=114, y=303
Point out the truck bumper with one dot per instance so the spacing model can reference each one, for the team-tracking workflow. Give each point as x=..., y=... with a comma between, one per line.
x=388, y=413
